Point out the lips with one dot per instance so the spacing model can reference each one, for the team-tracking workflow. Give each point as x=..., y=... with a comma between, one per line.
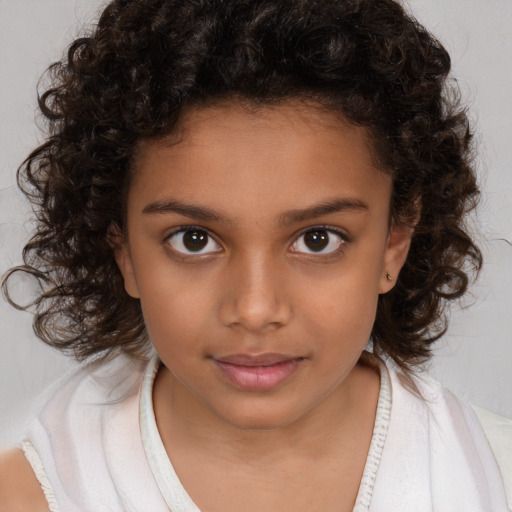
x=261, y=372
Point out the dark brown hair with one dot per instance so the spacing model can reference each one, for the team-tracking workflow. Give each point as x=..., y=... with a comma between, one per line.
x=146, y=60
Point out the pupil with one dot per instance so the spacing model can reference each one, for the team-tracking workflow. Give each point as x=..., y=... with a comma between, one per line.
x=195, y=240
x=317, y=240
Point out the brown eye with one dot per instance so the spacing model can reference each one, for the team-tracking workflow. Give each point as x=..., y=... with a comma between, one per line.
x=318, y=241
x=193, y=241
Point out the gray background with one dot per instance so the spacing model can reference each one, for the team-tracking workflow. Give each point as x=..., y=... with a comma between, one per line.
x=474, y=359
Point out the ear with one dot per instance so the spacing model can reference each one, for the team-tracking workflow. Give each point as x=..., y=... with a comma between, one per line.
x=397, y=248
x=119, y=244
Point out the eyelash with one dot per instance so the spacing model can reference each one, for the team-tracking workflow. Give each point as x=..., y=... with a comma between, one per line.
x=330, y=230
x=188, y=229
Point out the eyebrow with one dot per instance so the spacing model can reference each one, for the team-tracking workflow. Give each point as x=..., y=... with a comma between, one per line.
x=188, y=210
x=335, y=205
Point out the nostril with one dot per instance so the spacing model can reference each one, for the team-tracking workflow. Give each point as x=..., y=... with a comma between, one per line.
x=255, y=312
x=255, y=296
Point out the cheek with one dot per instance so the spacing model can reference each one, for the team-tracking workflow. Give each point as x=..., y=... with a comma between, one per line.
x=176, y=310
x=344, y=304
x=349, y=316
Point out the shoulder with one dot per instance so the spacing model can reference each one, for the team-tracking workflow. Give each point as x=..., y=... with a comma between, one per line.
x=436, y=444
x=87, y=388
x=91, y=413
x=498, y=430
x=19, y=488
x=455, y=434
x=444, y=414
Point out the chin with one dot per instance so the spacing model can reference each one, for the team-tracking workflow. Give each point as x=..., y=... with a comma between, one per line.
x=258, y=419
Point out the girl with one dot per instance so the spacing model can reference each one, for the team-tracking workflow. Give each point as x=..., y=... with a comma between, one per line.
x=233, y=199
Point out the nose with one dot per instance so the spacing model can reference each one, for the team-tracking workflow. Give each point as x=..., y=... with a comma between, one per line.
x=255, y=295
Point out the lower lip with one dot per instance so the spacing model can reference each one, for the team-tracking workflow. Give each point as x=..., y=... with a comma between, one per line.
x=258, y=378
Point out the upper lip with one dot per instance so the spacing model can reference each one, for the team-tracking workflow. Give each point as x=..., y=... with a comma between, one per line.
x=266, y=359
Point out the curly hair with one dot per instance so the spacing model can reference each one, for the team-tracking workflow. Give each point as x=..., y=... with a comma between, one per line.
x=146, y=60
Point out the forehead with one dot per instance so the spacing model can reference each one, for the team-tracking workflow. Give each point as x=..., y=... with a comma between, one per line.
x=253, y=124
x=271, y=157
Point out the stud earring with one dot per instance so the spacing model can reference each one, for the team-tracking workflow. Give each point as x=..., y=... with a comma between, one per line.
x=389, y=277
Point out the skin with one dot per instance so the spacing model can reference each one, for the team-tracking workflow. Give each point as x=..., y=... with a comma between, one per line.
x=19, y=489
x=255, y=182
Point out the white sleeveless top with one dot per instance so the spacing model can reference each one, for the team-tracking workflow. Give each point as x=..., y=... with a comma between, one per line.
x=95, y=447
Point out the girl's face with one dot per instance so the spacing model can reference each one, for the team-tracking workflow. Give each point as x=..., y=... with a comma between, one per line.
x=258, y=243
